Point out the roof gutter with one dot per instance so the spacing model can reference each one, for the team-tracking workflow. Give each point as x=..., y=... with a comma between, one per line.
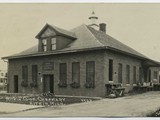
x=136, y=56
x=53, y=53
x=81, y=50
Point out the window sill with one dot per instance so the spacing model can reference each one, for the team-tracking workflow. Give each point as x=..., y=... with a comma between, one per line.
x=75, y=85
x=110, y=81
x=128, y=85
x=134, y=84
x=62, y=85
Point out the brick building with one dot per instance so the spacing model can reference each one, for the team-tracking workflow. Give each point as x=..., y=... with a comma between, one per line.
x=3, y=80
x=78, y=62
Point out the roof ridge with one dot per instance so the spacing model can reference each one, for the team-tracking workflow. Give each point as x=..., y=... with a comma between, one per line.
x=86, y=26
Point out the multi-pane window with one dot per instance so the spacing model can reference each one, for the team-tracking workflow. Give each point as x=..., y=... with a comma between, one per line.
x=76, y=72
x=155, y=74
x=119, y=73
x=63, y=73
x=25, y=73
x=134, y=74
x=34, y=73
x=53, y=43
x=44, y=44
x=140, y=75
x=90, y=72
x=127, y=74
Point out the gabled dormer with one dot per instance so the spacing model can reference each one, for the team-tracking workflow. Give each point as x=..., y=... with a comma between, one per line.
x=53, y=38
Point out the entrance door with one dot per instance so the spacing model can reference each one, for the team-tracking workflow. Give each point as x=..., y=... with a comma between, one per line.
x=16, y=84
x=48, y=84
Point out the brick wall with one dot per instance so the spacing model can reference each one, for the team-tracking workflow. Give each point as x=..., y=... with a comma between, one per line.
x=101, y=59
x=15, y=68
x=125, y=60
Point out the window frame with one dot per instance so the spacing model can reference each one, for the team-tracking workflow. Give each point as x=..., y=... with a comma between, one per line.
x=120, y=73
x=90, y=73
x=63, y=73
x=34, y=73
x=44, y=45
x=127, y=74
x=134, y=75
x=53, y=44
x=74, y=71
x=25, y=74
x=140, y=74
x=155, y=74
x=110, y=76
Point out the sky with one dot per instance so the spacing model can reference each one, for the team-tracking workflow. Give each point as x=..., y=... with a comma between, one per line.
x=136, y=25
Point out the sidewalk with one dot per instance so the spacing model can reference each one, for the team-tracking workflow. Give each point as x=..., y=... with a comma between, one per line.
x=6, y=108
x=130, y=106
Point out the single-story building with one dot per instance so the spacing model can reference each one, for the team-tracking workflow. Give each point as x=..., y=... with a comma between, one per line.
x=78, y=62
x=3, y=80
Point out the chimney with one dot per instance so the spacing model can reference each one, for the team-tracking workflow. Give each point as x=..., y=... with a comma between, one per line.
x=102, y=27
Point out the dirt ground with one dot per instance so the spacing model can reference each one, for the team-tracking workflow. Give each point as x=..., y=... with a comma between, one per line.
x=129, y=106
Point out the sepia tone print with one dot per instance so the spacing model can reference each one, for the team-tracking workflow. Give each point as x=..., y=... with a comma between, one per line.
x=83, y=70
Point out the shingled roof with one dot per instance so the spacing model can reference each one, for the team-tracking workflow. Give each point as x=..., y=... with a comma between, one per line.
x=58, y=30
x=112, y=43
x=87, y=39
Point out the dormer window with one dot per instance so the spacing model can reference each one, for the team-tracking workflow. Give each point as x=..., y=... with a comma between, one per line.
x=44, y=44
x=52, y=38
x=53, y=43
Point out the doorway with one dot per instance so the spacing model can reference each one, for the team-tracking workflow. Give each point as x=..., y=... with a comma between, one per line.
x=15, y=83
x=48, y=84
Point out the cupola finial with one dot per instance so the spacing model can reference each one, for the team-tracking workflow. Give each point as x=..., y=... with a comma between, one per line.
x=93, y=19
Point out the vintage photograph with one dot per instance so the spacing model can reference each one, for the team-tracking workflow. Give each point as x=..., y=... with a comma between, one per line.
x=80, y=60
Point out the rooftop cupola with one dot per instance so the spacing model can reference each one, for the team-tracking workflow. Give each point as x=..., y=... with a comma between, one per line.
x=93, y=19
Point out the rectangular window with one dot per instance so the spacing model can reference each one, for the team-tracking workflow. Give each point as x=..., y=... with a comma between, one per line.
x=44, y=45
x=134, y=75
x=53, y=43
x=1, y=74
x=90, y=72
x=110, y=70
x=140, y=74
x=119, y=73
x=76, y=72
x=25, y=73
x=127, y=74
x=63, y=73
x=34, y=73
x=155, y=75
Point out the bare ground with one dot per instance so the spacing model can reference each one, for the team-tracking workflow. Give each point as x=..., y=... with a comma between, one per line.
x=129, y=106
